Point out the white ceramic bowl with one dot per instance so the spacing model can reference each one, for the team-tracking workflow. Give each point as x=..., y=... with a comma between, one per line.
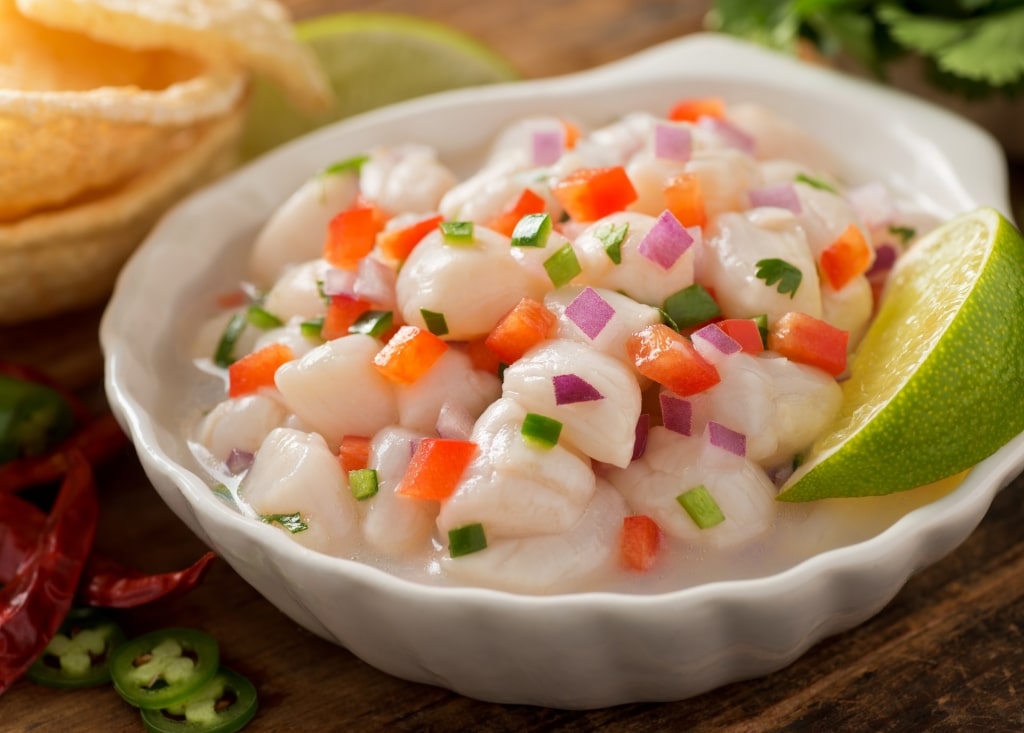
x=574, y=651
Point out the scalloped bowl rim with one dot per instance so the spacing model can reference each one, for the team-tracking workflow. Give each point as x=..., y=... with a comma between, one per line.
x=913, y=541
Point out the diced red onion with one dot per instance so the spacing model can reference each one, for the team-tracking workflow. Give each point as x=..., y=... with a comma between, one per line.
x=717, y=338
x=672, y=142
x=547, y=146
x=726, y=439
x=454, y=421
x=590, y=312
x=643, y=429
x=338, y=281
x=783, y=196
x=731, y=135
x=375, y=282
x=666, y=241
x=676, y=413
x=238, y=461
x=873, y=203
x=885, y=258
x=570, y=388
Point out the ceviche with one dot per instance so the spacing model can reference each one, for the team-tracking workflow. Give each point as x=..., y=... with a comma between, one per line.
x=597, y=357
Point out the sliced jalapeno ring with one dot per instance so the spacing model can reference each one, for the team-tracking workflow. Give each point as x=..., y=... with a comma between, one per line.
x=79, y=653
x=165, y=667
x=225, y=705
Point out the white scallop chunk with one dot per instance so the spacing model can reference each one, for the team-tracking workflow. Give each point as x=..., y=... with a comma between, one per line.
x=296, y=473
x=473, y=285
x=451, y=380
x=240, y=423
x=673, y=464
x=547, y=563
x=405, y=178
x=297, y=291
x=628, y=317
x=296, y=230
x=514, y=487
x=336, y=390
x=604, y=428
x=394, y=524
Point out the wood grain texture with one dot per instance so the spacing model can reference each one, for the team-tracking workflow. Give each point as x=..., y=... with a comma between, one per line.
x=947, y=654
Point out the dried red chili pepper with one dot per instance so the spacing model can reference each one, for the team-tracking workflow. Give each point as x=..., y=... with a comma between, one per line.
x=95, y=442
x=35, y=602
x=109, y=584
x=21, y=523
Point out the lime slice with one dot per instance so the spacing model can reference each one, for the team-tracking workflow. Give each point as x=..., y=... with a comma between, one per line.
x=371, y=60
x=937, y=384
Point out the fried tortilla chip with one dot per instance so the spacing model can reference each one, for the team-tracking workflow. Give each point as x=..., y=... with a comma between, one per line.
x=60, y=260
x=254, y=34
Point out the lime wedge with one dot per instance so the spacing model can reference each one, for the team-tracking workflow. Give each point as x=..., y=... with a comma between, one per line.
x=371, y=60
x=937, y=384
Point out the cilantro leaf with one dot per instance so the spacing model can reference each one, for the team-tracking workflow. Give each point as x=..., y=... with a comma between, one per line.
x=815, y=183
x=993, y=53
x=774, y=270
x=904, y=233
x=612, y=235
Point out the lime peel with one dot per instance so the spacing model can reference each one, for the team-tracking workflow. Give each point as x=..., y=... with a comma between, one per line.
x=937, y=384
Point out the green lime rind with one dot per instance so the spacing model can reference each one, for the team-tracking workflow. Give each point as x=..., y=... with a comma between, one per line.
x=959, y=397
x=372, y=60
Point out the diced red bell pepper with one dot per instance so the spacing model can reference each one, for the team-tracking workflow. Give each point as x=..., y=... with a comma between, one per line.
x=639, y=542
x=810, y=341
x=257, y=369
x=354, y=452
x=669, y=358
x=745, y=332
x=342, y=312
x=846, y=258
x=409, y=354
x=398, y=243
x=482, y=356
x=684, y=197
x=436, y=468
x=691, y=110
x=351, y=236
x=528, y=202
x=519, y=330
x=589, y=194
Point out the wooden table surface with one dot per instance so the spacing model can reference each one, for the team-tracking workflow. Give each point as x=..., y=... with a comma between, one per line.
x=946, y=655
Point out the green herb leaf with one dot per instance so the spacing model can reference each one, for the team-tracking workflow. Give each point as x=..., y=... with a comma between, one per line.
x=466, y=540
x=292, y=522
x=562, y=266
x=701, y=506
x=815, y=183
x=434, y=321
x=363, y=482
x=774, y=270
x=532, y=230
x=690, y=306
x=373, y=323
x=904, y=233
x=224, y=356
x=348, y=165
x=612, y=235
x=457, y=232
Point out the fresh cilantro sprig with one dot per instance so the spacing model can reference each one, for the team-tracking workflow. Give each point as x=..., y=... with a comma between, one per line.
x=970, y=46
x=774, y=270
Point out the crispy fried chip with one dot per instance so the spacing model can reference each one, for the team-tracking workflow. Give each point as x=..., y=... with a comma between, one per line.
x=255, y=34
x=69, y=258
x=77, y=115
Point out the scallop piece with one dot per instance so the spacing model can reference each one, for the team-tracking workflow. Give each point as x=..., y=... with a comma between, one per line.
x=735, y=243
x=452, y=380
x=639, y=277
x=295, y=475
x=297, y=292
x=673, y=464
x=394, y=524
x=626, y=318
x=405, y=178
x=289, y=334
x=547, y=563
x=240, y=423
x=296, y=230
x=514, y=487
x=777, y=137
x=473, y=285
x=602, y=426
x=337, y=391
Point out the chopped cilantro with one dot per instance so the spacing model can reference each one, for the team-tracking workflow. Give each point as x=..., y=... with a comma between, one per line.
x=904, y=233
x=773, y=270
x=612, y=235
